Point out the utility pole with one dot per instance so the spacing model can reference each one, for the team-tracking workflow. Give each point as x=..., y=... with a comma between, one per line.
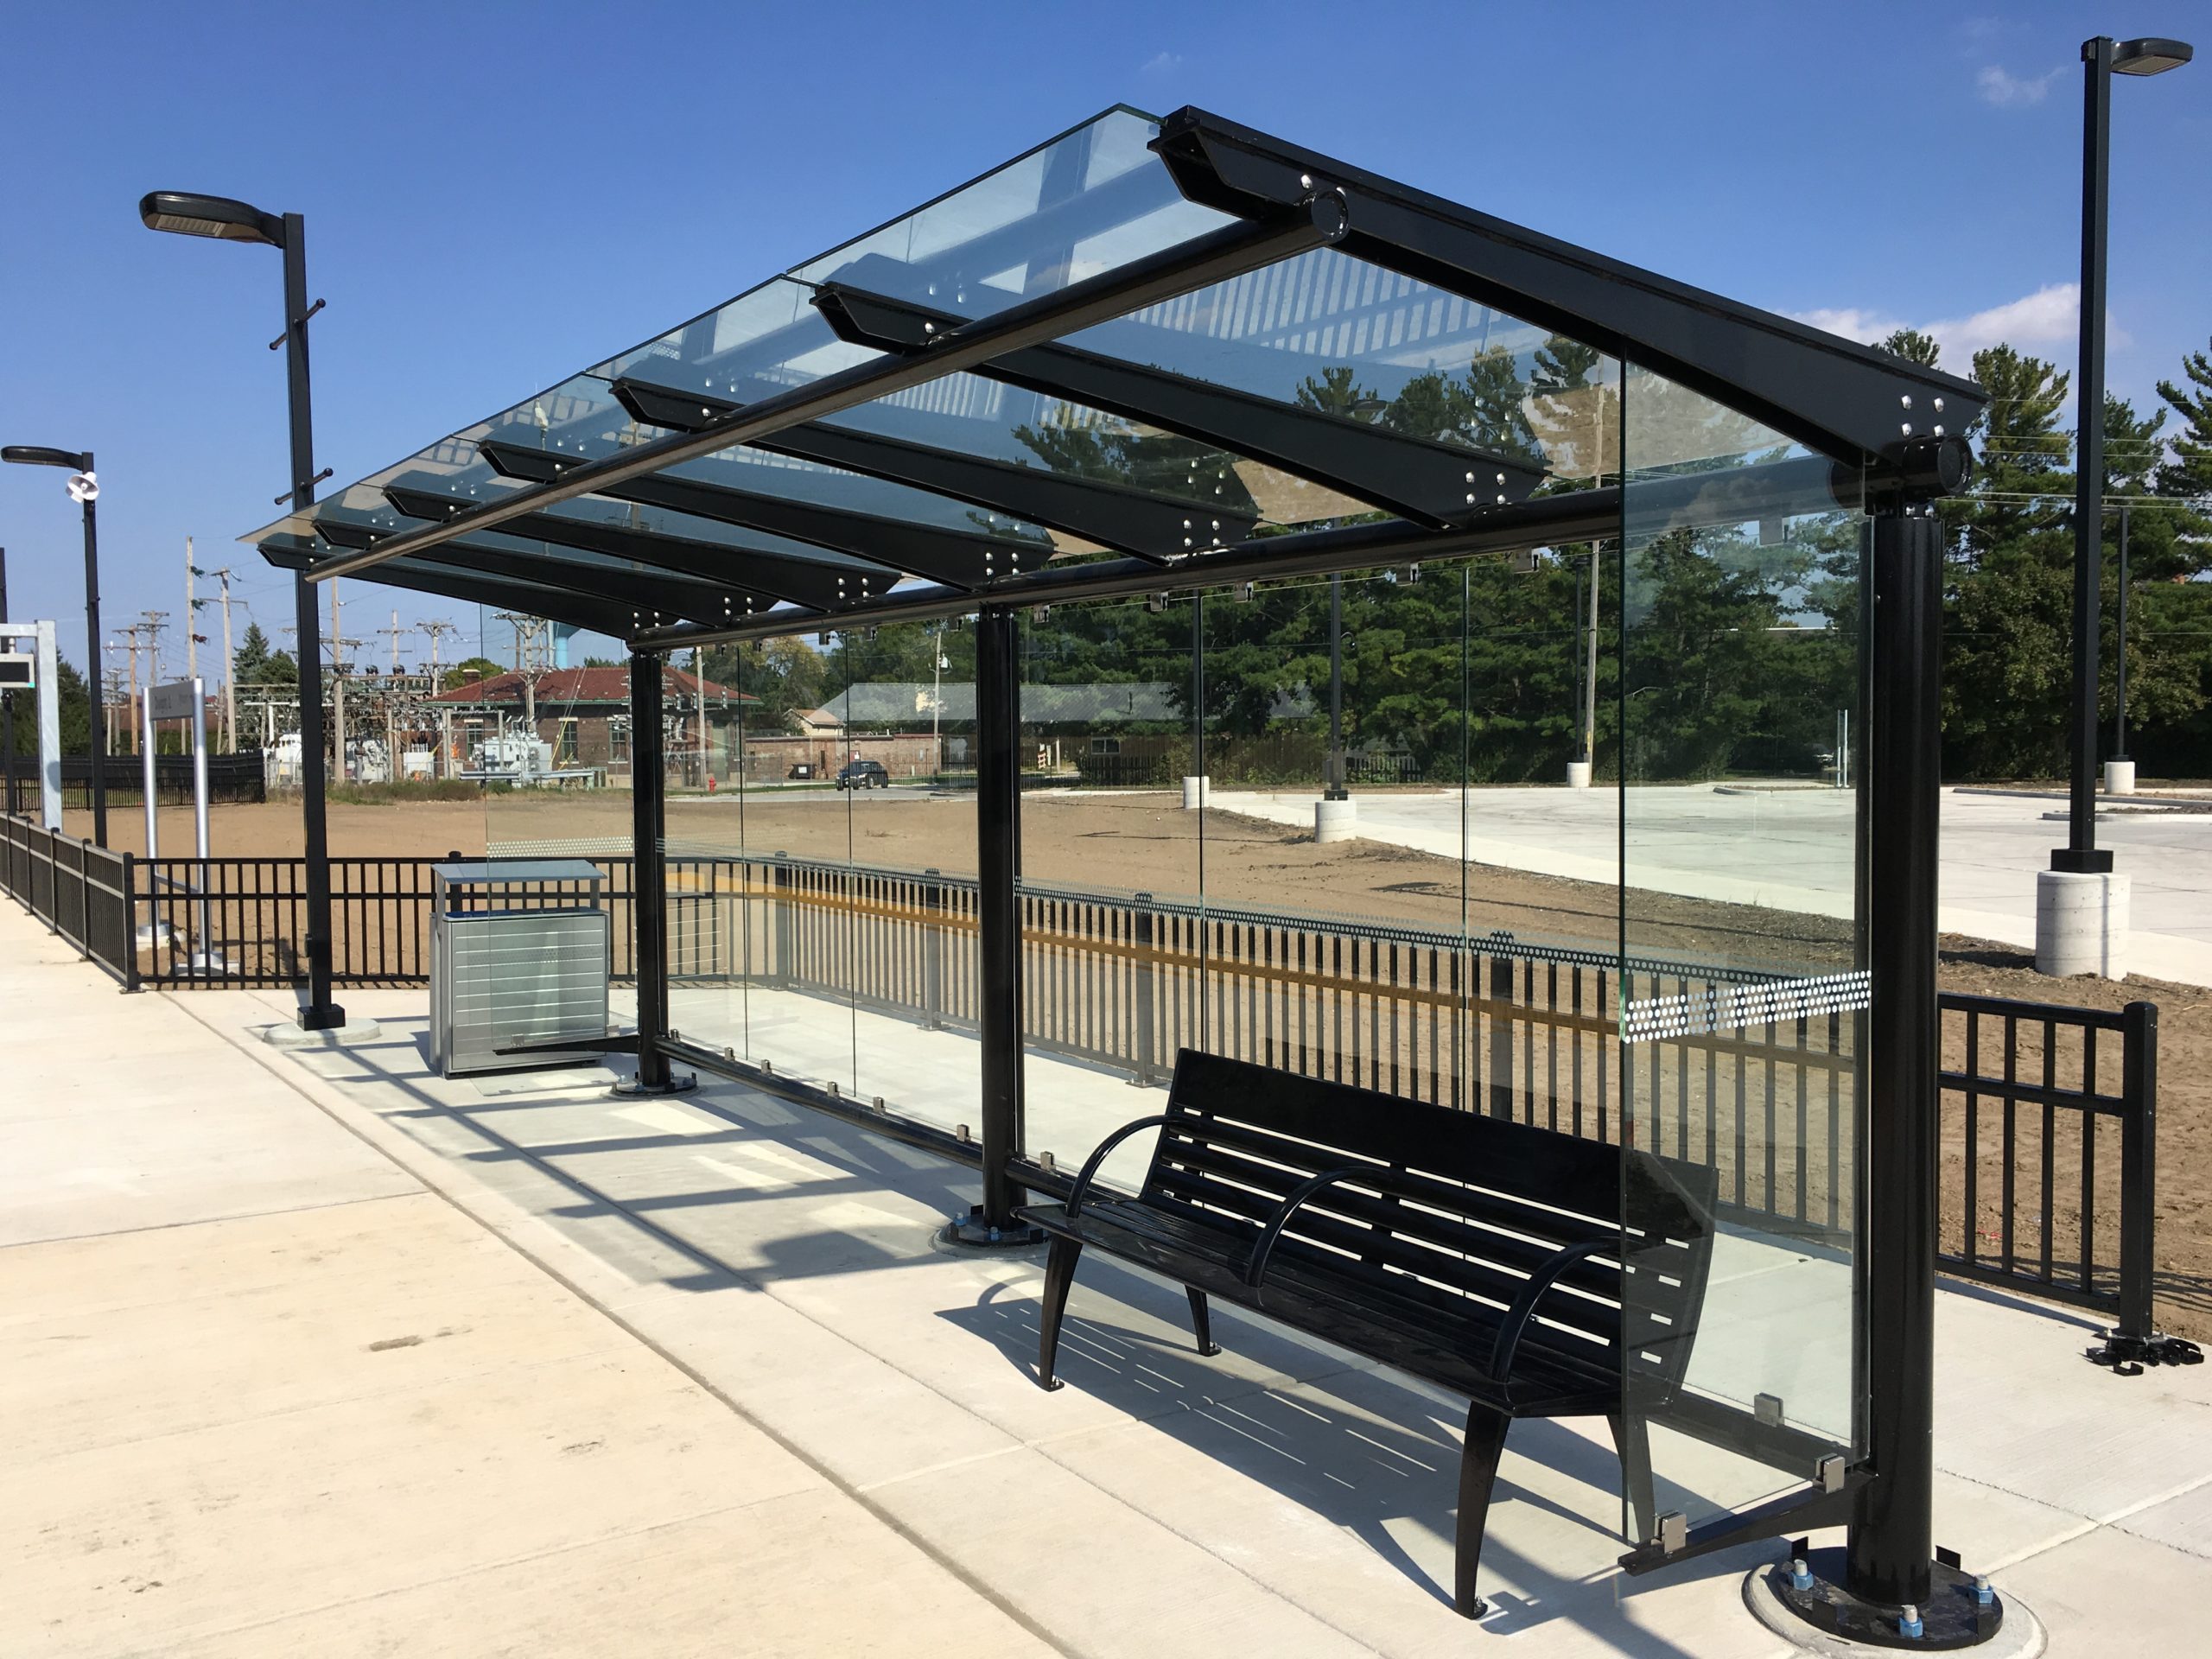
x=395, y=630
x=230, y=687
x=154, y=622
x=131, y=632
x=339, y=663
x=437, y=631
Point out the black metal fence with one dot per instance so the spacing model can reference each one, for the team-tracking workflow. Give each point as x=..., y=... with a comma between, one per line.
x=2037, y=1195
x=231, y=778
x=81, y=892
x=2049, y=1142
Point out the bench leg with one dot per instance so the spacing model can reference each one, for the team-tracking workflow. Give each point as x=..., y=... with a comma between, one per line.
x=1478, y=1473
x=1202, y=1322
x=1632, y=1437
x=1059, y=1273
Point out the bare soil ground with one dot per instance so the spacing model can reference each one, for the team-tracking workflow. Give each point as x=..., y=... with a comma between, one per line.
x=1145, y=842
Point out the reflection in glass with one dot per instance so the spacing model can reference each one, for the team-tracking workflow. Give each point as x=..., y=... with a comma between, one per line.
x=1742, y=981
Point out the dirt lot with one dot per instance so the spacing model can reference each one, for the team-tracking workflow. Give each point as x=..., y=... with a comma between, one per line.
x=1145, y=842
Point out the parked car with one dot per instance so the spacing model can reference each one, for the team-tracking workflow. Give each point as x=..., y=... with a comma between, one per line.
x=863, y=774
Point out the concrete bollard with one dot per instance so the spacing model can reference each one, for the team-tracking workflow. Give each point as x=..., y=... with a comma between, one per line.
x=1196, y=793
x=1578, y=774
x=2081, y=924
x=1335, y=821
x=2120, y=777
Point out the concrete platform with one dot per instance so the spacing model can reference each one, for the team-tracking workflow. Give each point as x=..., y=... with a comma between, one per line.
x=817, y=1430
x=263, y=1392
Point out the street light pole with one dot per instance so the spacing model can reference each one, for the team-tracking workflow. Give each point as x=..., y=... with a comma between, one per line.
x=322, y=1012
x=84, y=488
x=226, y=220
x=2073, y=936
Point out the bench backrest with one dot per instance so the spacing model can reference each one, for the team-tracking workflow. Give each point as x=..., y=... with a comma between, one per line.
x=1494, y=1199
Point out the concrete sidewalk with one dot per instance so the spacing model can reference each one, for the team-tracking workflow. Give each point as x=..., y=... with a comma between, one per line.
x=263, y=1392
x=868, y=1467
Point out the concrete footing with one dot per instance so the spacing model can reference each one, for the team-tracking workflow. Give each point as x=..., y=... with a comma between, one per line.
x=1195, y=793
x=290, y=1035
x=2081, y=924
x=1336, y=821
x=2120, y=777
x=1578, y=774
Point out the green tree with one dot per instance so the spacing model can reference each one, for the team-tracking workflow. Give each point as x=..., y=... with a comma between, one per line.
x=254, y=663
x=473, y=668
x=2187, y=470
x=1914, y=346
x=2008, y=663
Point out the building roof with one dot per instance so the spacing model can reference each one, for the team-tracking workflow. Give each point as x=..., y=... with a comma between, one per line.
x=573, y=686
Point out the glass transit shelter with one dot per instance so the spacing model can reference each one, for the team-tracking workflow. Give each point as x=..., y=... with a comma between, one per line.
x=1170, y=480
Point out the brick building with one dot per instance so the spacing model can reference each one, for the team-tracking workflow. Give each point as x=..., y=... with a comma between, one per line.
x=584, y=713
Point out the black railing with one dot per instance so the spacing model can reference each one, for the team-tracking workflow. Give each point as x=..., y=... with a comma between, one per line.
x=232, y=779
x=2038, y=1196
x=2050, y=1118
x=81, y=892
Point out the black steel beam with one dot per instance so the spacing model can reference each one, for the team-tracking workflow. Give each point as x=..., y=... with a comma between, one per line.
x=998, y=908
x=1115, y=516
x=709, y=571
x=1203, y=260
x=598, y=615
x=740, y=575
x=1890, y=1546
x=1739, y=495
x=1843, y=398
x=1437, y=484
x=958, y=558
x=652, y=598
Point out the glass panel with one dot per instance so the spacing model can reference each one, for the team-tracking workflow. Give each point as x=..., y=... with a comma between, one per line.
x=910, y=727
x=1111, y=977
x=799, y=1009
x=1335, y=733
x=1741, y=978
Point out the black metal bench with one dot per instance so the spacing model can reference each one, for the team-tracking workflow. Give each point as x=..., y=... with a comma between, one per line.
x=1477, y=1253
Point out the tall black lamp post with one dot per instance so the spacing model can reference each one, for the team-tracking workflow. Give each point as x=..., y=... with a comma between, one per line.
x=226, y=220
x=2102, y=59
x=84, y=488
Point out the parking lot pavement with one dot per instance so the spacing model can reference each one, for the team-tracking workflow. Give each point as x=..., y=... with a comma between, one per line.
x=1792, y=850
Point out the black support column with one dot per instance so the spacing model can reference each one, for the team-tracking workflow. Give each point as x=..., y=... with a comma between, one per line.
x=649, y=880
x=998, y=864
x=1890, y=1551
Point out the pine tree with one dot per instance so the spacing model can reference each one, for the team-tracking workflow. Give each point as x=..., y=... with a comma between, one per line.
x=2187, y=470
x=1914, y=346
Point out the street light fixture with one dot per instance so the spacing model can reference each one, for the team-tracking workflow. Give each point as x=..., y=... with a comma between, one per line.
x=224, y=220
x=2100, y=57
x=85, y=489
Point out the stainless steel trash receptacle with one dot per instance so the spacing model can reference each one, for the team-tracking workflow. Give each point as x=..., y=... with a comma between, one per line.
x=519, y=953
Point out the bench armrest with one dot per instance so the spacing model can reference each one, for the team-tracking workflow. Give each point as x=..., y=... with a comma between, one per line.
x=1295, y=1201
x=1098, y=1156
x=1525, y=1306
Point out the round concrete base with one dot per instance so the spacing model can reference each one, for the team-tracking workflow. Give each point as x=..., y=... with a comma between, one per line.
x=1336, y=821
x=353, y=1031
x=1578, y=774
x=2021, y=1636
x=2081, y=925
x=1195, y=792
x=2120, y=777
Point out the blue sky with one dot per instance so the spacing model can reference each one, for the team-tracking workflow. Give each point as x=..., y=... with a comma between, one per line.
x=500, y=194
